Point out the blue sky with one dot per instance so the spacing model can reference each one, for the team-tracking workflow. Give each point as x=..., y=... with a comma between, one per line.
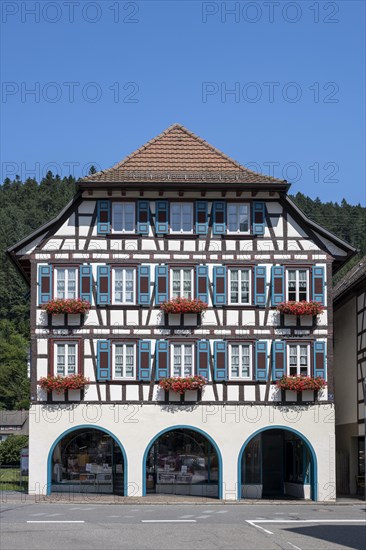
x=108, y=76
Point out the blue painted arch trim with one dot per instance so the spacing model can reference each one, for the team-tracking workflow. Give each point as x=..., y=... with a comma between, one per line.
x=181, y=427
x=313, y=465
x=81, y=427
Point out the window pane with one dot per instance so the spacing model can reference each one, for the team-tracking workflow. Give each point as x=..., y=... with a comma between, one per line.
x=71, y=359
x=176, y=283
x=129, y=297
x=129, y=361
x=235, y=361
x=187, y=217
x=61, y=359
x=118, y=286
x=117, y=217
x=119, y=360
x=234, y=286
x=232, y=217
x=188, y=361
x=60, y=283
x=302, y=285
x=129, y=211
x=187, y=283
x=177, y=360
x=244, y=286
x=293, y=355
x=243, y=217
x=245, y=361
x=71, y=285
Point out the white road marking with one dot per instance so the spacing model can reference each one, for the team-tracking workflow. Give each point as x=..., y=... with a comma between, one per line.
x=221, y=512
x=168, y=521
x=310, y=520
x=202, y=517
x=186, y=517
x=53, y=515
x=35, y=515
x=293, y=546
x=258, y=527
x=54, y=521
x=209, y=511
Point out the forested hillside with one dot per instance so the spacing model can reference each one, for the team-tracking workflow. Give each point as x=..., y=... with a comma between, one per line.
x=24, y=206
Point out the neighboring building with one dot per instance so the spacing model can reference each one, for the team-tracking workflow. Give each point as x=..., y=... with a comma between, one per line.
x=13, y=423
x=178, y=218
x=349, y=374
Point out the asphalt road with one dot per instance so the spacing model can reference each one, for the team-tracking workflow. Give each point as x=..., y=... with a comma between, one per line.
x=53, y=526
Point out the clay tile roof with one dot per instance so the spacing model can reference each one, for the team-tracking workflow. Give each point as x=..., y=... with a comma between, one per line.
x=351, y=279
x=179, y=155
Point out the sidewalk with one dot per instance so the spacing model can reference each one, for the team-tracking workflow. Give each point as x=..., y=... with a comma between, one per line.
x=60, y=498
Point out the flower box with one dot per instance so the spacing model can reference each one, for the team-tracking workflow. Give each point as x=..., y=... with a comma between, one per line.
x=60, y=305
x=184, y=305
x=301, y=383
x=180, y=385
x=60, y=384
x=300, y=308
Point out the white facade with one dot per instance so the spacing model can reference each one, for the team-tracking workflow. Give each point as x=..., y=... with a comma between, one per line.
x=127, y=248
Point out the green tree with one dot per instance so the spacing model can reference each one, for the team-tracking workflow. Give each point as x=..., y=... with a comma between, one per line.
x=11, y=447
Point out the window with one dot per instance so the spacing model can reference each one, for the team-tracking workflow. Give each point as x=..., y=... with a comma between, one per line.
x=298, y=359
x=124, y=285
x=66, y=283
x=66, y=358
x=123, y=217
x=181, y=217
x=240, y=361
x=182, y=283
x=182, y=360
x=124, y=361
x=238, y=218
x=297, y=284
x=239, y=286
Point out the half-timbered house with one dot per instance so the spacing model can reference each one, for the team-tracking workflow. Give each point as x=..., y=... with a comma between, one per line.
x=179, y=219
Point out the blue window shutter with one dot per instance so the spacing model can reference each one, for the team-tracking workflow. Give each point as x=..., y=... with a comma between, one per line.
x=203, y=358
x=86, y=278
x=144, y=360
x=320, y=359
x=260, y=285
x=201, y=217
x=278, y=359
x=220, y=360
x=161, y=216
x=202, y=283
x=162, y=359
x=143, y=285
x=143, y=217
x=318, y=284
x=219, y=285
x=103, y=285
x=278, y=284
x=219, y=217
x=104, y=216
x=161, y=284
x=258, y=217
x=261, y=360
x=103, y=360
x=44, y=284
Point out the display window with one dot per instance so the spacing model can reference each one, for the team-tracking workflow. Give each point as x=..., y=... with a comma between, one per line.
x=88, y=460
x=182, y=462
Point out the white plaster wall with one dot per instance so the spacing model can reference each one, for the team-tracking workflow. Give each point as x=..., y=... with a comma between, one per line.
x=136, y=425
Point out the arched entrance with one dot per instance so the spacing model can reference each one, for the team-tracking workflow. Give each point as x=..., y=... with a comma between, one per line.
x=277, y=462
x=182, y=461
x=87, y=459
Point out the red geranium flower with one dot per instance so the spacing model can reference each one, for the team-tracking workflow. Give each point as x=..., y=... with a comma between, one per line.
x=60, y=384
x=301, y=308
x=180, y=385
x=184, y=305
x=70, y=305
